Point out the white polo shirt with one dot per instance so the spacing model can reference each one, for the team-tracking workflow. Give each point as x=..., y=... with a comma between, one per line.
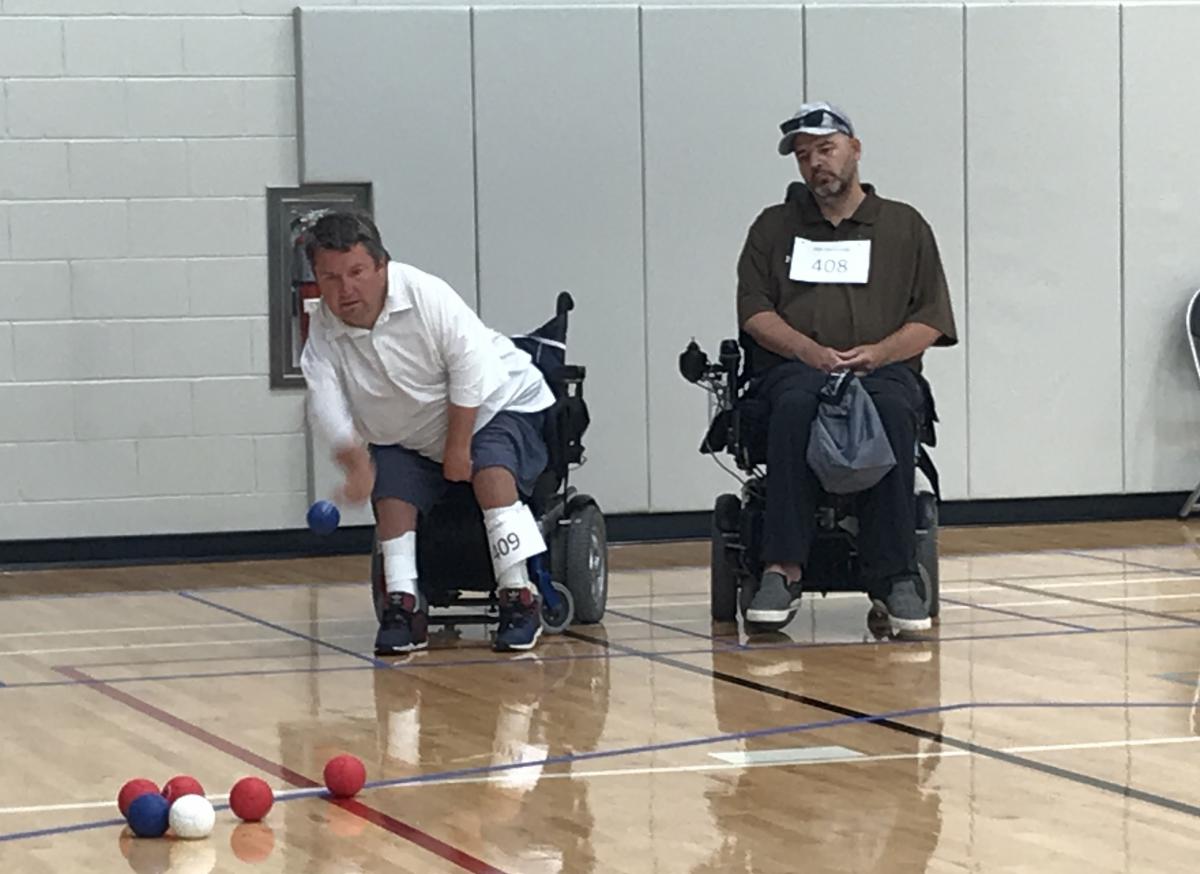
x=393, y=383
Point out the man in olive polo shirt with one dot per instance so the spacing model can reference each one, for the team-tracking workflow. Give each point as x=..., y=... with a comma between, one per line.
x=838, y=278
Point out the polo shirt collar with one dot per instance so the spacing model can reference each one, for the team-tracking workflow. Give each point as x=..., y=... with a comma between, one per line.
x=810, y=213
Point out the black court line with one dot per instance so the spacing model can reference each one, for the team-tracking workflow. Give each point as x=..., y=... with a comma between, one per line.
x=284, y=629
x=733, y=644
x=911, y=730
x=1115, y=606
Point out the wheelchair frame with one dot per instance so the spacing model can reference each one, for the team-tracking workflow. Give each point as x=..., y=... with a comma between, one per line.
x=571, y=576
x=736, y=534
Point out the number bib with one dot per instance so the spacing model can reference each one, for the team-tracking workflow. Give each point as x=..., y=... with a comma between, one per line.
x=839, y=261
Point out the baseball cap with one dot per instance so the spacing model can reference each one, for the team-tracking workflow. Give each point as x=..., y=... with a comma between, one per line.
x=819, y=119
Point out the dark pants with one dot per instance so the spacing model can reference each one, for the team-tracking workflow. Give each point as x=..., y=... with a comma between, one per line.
x=887, y=542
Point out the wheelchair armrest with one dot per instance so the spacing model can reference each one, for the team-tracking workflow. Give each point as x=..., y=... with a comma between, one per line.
x=571, y=373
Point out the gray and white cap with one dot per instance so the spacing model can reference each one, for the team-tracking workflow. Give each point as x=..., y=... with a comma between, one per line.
x=819, y=119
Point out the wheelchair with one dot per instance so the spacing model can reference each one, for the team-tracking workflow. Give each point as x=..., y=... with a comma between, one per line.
x=738, y=427
x=454, y=565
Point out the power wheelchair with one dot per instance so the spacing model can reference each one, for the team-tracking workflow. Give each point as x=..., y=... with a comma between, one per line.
x=739, y=428
x=454, y=565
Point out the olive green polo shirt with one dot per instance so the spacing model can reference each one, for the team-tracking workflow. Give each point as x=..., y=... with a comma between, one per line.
x=905, y=281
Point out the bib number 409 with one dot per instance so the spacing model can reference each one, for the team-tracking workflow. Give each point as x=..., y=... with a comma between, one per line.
x=506, y=545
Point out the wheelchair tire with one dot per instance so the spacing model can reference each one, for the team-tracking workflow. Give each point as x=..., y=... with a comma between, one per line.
x=927, y=550
x=557, y=621
x=723, y=583
x=586, y=569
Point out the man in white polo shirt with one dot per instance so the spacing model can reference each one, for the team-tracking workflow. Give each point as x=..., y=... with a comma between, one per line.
x=414, y=392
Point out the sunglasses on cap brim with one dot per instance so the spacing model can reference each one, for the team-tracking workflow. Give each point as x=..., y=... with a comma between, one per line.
x=816, y=118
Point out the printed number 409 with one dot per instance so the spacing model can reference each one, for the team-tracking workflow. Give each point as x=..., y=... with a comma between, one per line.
x=506, y=545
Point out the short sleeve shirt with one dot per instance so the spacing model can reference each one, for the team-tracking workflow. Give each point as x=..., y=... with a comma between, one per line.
x=905, y=282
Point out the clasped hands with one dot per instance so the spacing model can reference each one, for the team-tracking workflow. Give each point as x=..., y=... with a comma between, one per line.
x=859, y=360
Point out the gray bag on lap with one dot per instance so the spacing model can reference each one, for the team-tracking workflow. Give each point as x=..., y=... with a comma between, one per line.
x=847, y=447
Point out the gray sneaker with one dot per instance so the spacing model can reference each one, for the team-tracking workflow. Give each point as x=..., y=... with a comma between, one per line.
x=775, y=599
x=906, y=608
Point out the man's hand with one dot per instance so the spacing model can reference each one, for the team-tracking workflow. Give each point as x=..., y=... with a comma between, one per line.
x=822, y=358
x=456, y=465
x=360, y=474
x=863, y=359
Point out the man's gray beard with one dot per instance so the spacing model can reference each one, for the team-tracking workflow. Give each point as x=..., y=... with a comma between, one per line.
x=831, y=189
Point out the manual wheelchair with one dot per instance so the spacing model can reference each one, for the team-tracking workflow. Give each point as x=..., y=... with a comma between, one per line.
x=739, y=429
x=454, y=565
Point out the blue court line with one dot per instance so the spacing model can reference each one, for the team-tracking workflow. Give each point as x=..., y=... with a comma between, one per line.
x=418, y=663
x=1189, y=573
x=321, y=584
x=63, y=829
x=991, y=609
x=283, y=630
x=570, y=758
x=1184, y=678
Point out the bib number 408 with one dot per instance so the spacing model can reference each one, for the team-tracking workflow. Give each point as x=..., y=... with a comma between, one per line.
x=829, y=265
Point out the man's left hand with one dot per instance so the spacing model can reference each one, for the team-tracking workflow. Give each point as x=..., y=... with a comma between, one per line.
x=863, y=359
x=456, y=466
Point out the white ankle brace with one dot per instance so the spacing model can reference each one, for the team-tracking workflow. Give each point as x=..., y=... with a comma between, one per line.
x=513, y=536
x=400, y=563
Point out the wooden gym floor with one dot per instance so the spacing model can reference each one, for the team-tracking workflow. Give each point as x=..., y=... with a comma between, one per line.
x=1049, y=723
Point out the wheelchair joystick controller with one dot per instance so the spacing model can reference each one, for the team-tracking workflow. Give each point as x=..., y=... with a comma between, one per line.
x=693, y=363
x=730, y=356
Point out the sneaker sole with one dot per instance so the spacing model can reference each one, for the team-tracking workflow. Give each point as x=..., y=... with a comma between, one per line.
x=899, y=624
x=759, y=615
x=519, y=647
x=401, y=650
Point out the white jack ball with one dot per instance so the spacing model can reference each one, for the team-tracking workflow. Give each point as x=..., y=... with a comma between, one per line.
x=192, y=816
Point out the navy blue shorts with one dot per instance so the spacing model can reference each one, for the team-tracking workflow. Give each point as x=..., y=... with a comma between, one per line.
x=510, y=440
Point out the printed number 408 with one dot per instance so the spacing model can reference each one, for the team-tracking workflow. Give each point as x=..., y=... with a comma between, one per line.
x=829, y=265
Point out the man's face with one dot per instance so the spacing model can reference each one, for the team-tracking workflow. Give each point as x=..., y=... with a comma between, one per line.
x=352, y=284
x=829, y=164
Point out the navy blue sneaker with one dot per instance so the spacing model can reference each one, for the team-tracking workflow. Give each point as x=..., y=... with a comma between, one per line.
x=404, y=626
x=520, y=620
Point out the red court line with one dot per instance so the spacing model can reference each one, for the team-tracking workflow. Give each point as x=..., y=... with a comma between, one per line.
x=422, y=839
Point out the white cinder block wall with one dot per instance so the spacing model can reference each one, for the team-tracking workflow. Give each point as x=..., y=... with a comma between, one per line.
x=137, y=138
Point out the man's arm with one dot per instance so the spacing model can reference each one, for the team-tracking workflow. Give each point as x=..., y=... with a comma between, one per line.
x=910, y=341
x=756, y=305
x=771, y=332
x=473, y=369
x=330, y=414
x=930, y=316
x=456, y=461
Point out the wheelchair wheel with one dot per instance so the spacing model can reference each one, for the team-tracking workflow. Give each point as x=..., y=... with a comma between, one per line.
x=723, y=586
x=586, y=549
x=927, y=550
x=556, y=620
